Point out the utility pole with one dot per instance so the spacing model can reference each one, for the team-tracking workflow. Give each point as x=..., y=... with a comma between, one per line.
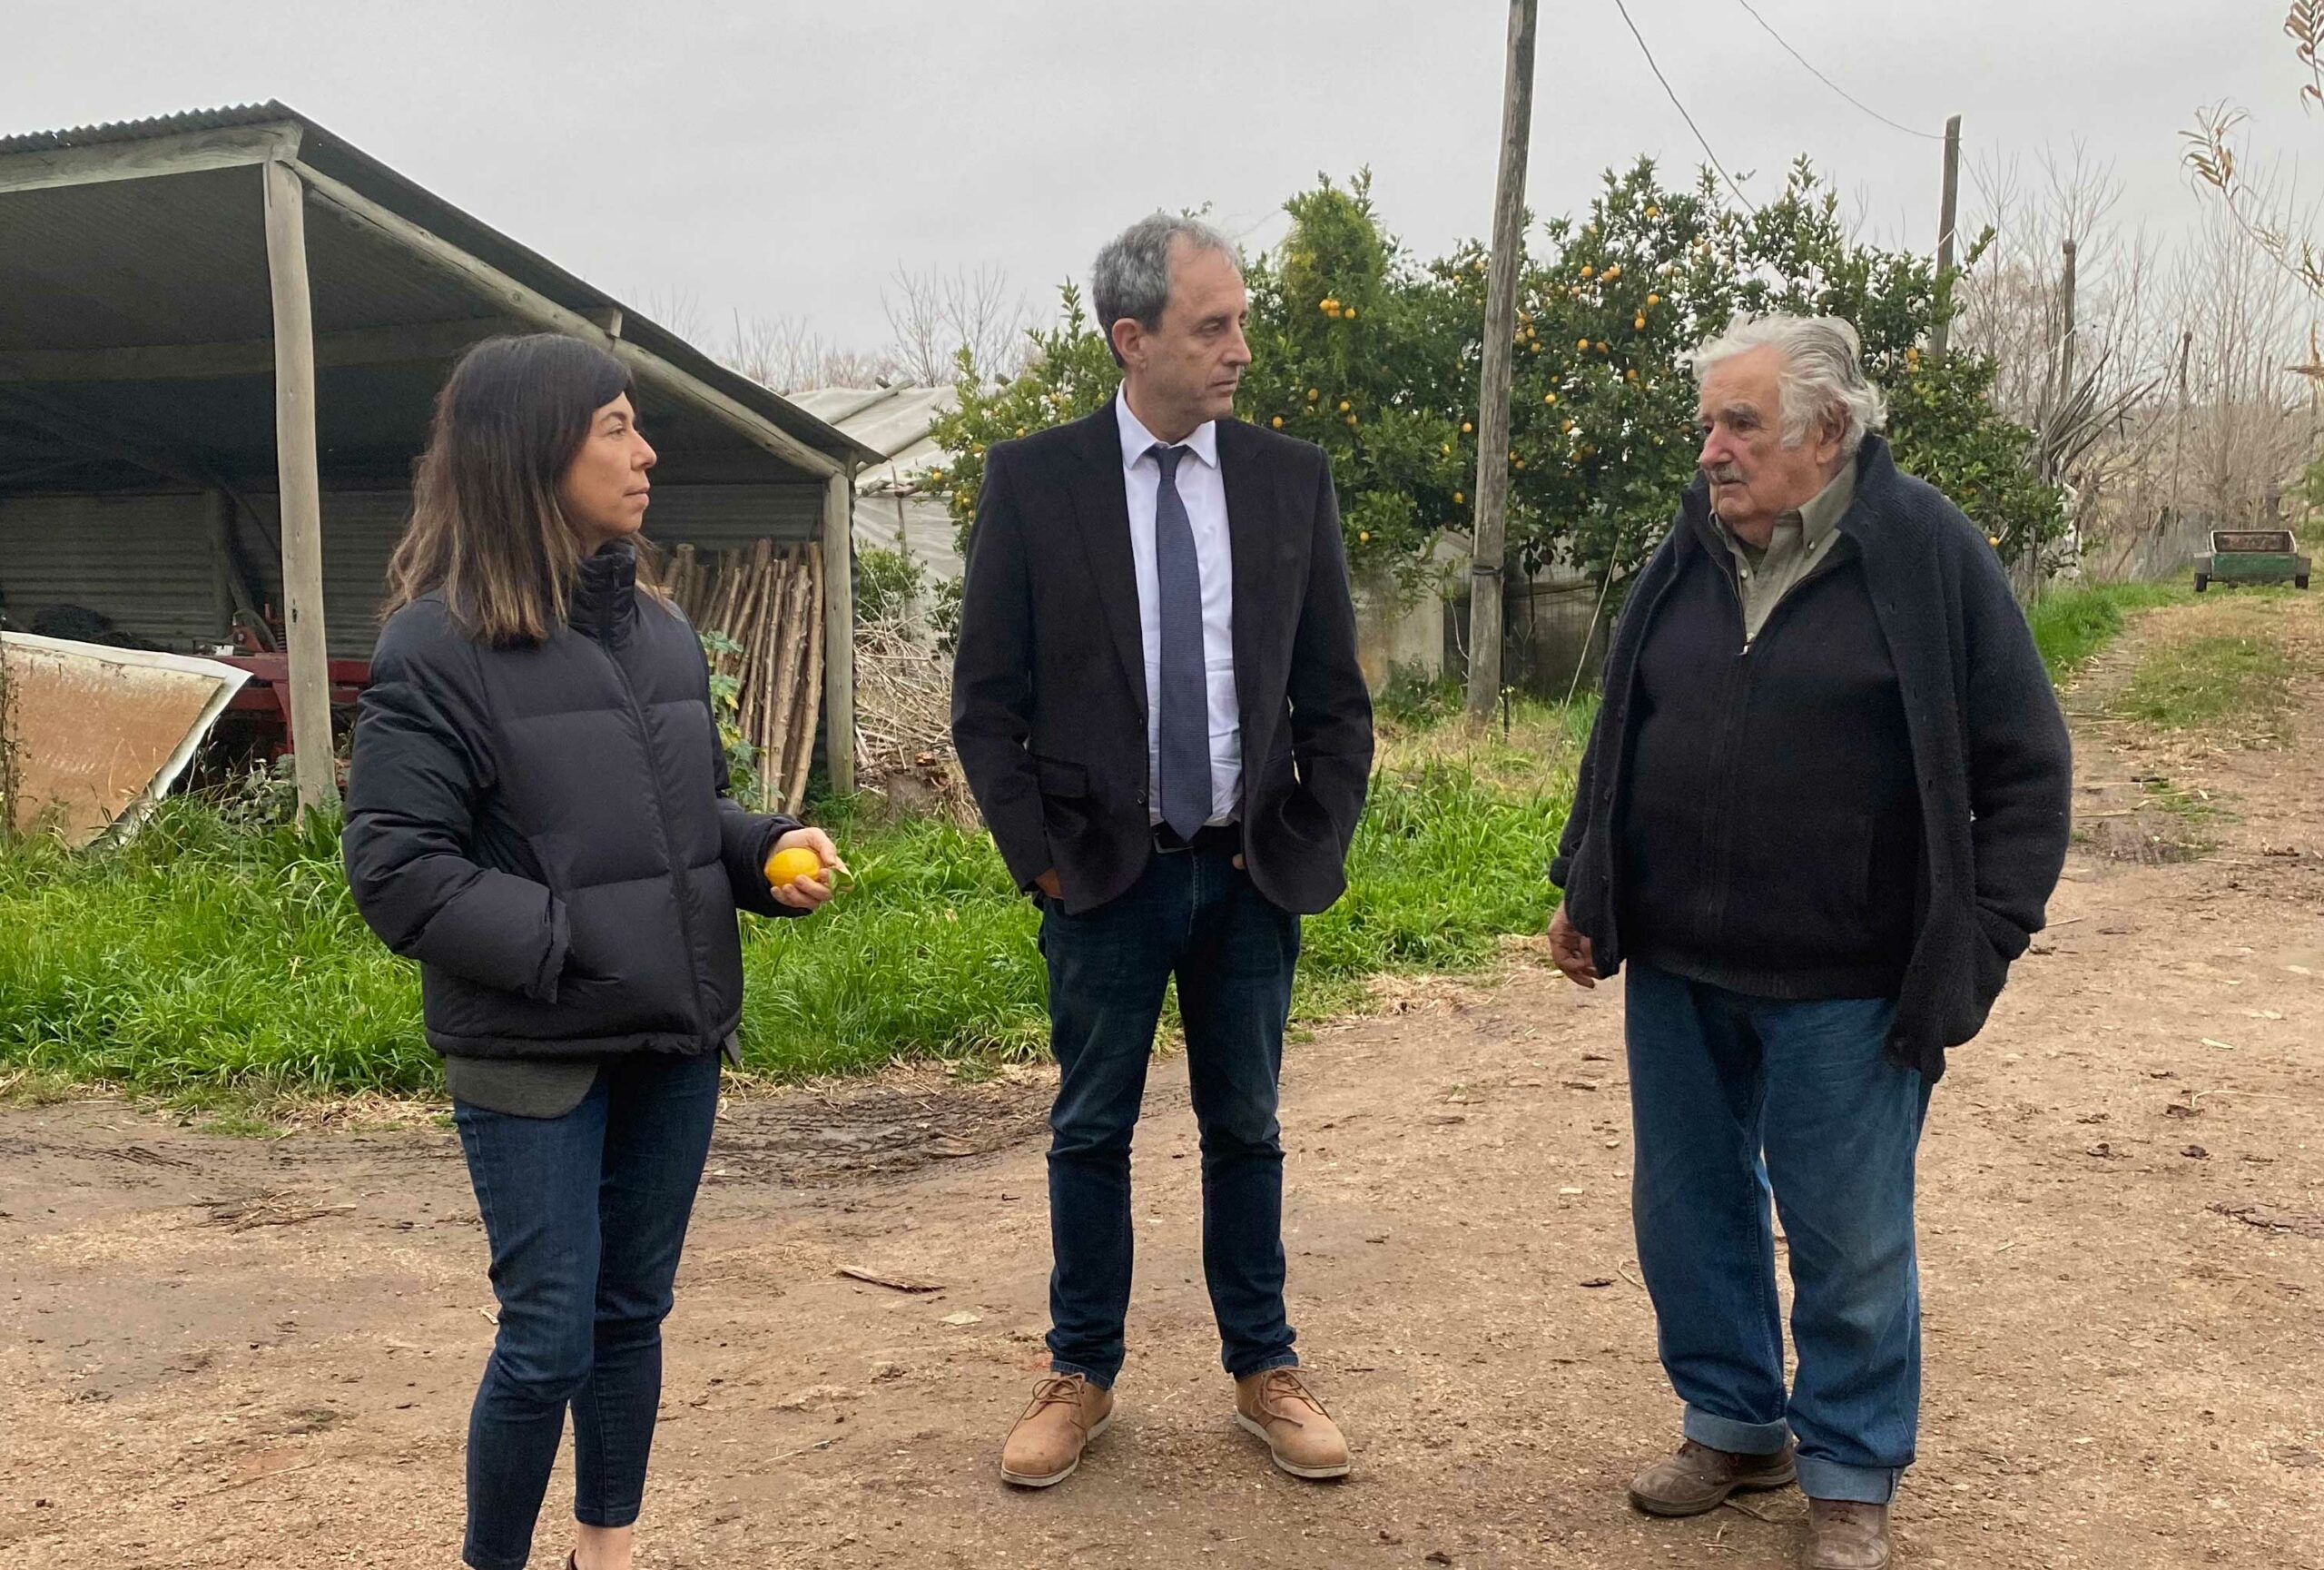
x=2065, y=310
x=1943, y=335
x=1491, y=545
x=2178, y=426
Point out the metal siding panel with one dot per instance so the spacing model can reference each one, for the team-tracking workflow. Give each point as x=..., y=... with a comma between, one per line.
x=721, y=516
x=143, y=560
x=360, y=529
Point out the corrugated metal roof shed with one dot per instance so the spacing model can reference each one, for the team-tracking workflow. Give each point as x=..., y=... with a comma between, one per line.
x=137, y=362
x=891, y=421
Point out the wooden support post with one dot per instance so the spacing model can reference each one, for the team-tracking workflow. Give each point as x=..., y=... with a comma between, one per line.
x=1492, y=540
x=839, y=632
x=1943, y=335
x=299, y=484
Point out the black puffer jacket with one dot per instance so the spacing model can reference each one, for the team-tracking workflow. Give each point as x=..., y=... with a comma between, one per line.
x=547, y=830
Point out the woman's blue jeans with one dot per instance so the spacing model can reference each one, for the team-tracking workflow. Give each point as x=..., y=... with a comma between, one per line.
x=587, y=1214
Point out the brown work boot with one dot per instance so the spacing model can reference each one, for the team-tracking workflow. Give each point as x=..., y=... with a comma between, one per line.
x=1695, y=1478
x=1067, y=1412
x=1300, y=1435
x=1842, y=1534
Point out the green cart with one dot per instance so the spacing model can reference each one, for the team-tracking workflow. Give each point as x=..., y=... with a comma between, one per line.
x=2251, y=555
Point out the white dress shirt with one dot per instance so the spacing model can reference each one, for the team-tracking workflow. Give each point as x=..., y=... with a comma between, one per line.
x=1204, y=491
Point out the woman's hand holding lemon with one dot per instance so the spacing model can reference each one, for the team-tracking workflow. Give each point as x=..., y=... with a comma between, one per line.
x=798, y=870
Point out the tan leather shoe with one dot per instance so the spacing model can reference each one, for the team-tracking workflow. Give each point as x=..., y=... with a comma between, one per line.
x=1695, y=1478
x=1066, y=1413
x=1300, y=1435
x=1842, y=1534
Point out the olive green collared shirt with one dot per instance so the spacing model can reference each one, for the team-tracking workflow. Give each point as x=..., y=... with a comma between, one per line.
x=1802, y=540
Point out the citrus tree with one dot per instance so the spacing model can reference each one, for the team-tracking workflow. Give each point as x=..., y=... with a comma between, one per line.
x=1353, y=349
x=1377, y=359
x=1602, y=418
x=1068, y=373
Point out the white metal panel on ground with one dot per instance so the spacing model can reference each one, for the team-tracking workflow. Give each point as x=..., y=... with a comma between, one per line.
x=94, y=737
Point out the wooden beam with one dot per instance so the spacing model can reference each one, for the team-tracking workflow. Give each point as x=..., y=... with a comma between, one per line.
x=185, y=152
x=411, y=342
x=298, y=487
x=521, y=301
x=839, y=631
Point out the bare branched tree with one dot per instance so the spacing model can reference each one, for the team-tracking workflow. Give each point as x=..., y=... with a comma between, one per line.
x=677, y=311
x=935, y=316
x=784, y=353
x=2060, y=304
x=2250, y=420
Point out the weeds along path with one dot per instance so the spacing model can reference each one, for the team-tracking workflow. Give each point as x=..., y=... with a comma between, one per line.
x=234, y=1353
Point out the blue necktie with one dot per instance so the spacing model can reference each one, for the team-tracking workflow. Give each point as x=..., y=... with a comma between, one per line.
x=1184, y=694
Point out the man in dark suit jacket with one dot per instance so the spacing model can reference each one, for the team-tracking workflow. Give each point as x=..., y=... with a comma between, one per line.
x=1157, y=703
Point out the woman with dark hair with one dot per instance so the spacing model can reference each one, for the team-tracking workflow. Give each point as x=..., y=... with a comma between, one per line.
x=537, y=813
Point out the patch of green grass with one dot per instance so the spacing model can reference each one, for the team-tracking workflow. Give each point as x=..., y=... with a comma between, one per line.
x=2071, y=624
x=226, y=970
x=2220, y=680
x=197, y=958
x=2181, y=802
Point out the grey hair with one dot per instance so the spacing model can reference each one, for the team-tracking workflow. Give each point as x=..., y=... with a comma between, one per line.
x=1823, y=372
x=1131, y=276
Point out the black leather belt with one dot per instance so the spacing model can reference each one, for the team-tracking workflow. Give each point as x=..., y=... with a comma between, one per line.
x=1212, y=839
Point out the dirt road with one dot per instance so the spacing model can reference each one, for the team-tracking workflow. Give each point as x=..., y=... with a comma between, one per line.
x=233, y=1353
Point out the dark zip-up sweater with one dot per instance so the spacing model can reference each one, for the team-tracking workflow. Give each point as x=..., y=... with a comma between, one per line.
x=1771, y=824
x=1984, y=747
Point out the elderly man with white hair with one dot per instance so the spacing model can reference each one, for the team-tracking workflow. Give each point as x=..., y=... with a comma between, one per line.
x=1824, y=806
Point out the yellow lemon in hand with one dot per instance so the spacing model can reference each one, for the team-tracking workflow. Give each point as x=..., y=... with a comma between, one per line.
x=785, y=867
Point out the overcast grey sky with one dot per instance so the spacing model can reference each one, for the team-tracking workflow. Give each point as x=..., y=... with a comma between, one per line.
x=782, y=158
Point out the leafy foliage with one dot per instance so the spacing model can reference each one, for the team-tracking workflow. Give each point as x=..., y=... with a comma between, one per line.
x=1377, y=359
x=887, y=583
x=725, y=706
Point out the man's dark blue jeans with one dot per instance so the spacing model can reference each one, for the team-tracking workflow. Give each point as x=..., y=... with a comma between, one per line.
x=1192, y=915
x=585, y=1214
x=1734, y=1096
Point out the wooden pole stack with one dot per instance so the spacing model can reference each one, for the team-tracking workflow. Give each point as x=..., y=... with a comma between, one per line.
x=768, y=603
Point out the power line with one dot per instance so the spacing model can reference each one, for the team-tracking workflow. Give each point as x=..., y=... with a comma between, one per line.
x=1860, y=103
x=1682, y=108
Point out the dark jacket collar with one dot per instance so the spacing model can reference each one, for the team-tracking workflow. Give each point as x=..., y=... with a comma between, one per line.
x=604, y=601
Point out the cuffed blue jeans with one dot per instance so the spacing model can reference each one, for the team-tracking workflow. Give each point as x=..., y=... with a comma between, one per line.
x=585, y=1214
x=1733, y=1098
x=1195, y=916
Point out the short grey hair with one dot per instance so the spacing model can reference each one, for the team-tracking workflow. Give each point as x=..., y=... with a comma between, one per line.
x=1131, y=276
x=1822, y=375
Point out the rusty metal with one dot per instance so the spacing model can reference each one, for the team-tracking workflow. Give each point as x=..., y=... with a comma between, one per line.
x=95, y=736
